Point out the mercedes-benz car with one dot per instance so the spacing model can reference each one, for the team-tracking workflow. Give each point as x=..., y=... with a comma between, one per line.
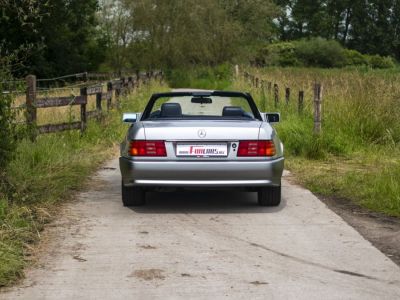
x=201, y=139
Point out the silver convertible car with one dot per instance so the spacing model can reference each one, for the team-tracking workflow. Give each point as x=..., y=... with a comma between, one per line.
x=201, y=139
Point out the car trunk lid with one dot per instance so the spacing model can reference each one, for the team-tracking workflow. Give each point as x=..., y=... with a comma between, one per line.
x=202, y=130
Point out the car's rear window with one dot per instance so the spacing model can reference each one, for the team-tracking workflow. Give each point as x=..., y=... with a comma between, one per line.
x=200, y=107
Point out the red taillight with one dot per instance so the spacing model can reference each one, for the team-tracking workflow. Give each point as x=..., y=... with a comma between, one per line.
x=147, y=148
x=256, y=148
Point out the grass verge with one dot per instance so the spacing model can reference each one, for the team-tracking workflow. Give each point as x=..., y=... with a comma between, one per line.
x=48, y=172
x=357, y=156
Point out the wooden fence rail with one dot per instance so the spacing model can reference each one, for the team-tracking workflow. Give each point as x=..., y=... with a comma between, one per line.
x=119, y=87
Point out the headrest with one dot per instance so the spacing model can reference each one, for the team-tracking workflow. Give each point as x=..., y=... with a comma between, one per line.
x=232, y=111
x=171, y=110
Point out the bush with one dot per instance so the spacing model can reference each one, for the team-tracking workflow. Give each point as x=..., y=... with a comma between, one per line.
x=280, y=54
x=355, y=58
x=7, y=140
x=380, y=62
x=319, y=52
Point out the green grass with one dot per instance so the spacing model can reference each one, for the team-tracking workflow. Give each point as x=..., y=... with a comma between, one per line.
x=49, y=172
x=357, y=156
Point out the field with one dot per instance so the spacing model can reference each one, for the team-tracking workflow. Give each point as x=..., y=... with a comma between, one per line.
x=50, y=171
x=357, y=156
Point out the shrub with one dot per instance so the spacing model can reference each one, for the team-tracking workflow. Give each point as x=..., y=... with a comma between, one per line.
x=380, y=62
x=280, y=54
x=318, y=52
x=355, y=58
x=7, y=140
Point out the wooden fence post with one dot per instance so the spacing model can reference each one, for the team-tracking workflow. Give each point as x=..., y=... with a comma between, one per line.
x=287, y=95
x=123, y=86
x=131, y=84
x=161, y=77
x=263, y=98
x=31, y=114
x=256, y=82
x=137, y=78
x=109, y=91
x=276, y=94
x=317, y=108
x=98, y=106
x=83, y=93
x=117, y=92
x=301, y=102
x=269, y=87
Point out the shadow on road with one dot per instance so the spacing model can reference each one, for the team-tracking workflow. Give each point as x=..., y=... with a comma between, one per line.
x=204, y=202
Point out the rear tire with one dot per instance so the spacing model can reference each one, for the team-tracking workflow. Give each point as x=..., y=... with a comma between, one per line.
x=269, y=196
x=133, y=195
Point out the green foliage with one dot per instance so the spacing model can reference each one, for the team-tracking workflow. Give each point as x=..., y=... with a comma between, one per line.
x=355, y=58
x=7, y=139
x=380, y=62
x=318, y=52
x=61, y=35
x=7, y=129
x=366, y=26
x=279, y=54
x=167, y=36
x=201, y=77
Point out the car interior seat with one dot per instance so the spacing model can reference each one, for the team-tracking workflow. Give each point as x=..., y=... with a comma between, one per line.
x=171, y=110
x=232, y=111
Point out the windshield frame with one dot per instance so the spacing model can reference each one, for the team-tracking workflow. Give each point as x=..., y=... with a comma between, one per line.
x=146, y=113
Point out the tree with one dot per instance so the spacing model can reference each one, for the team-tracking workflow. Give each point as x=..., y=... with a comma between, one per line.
x=61, y=35
x=373, y=27
x=167, y=33
x=367, y=26
x=10, y=59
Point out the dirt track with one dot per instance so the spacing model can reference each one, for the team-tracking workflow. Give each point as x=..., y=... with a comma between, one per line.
x=209, y=245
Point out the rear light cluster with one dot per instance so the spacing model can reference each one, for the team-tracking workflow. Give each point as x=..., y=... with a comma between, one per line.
x=256, y=148
x=147, y=148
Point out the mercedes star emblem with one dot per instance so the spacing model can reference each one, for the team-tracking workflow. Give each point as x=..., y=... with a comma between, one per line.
x=202, y=133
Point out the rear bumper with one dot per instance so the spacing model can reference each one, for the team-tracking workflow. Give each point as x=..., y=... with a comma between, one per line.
x=201, y=173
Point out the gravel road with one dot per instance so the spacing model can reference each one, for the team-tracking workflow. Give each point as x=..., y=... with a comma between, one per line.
x=204, y=245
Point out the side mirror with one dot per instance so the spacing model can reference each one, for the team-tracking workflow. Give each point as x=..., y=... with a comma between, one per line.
x=130, y=117
x=273, y=118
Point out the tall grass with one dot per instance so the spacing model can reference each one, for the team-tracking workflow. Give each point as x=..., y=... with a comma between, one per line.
x=357, y=156
x=47, y=172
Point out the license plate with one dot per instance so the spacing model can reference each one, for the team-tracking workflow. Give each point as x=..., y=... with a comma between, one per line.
x=212, y=150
